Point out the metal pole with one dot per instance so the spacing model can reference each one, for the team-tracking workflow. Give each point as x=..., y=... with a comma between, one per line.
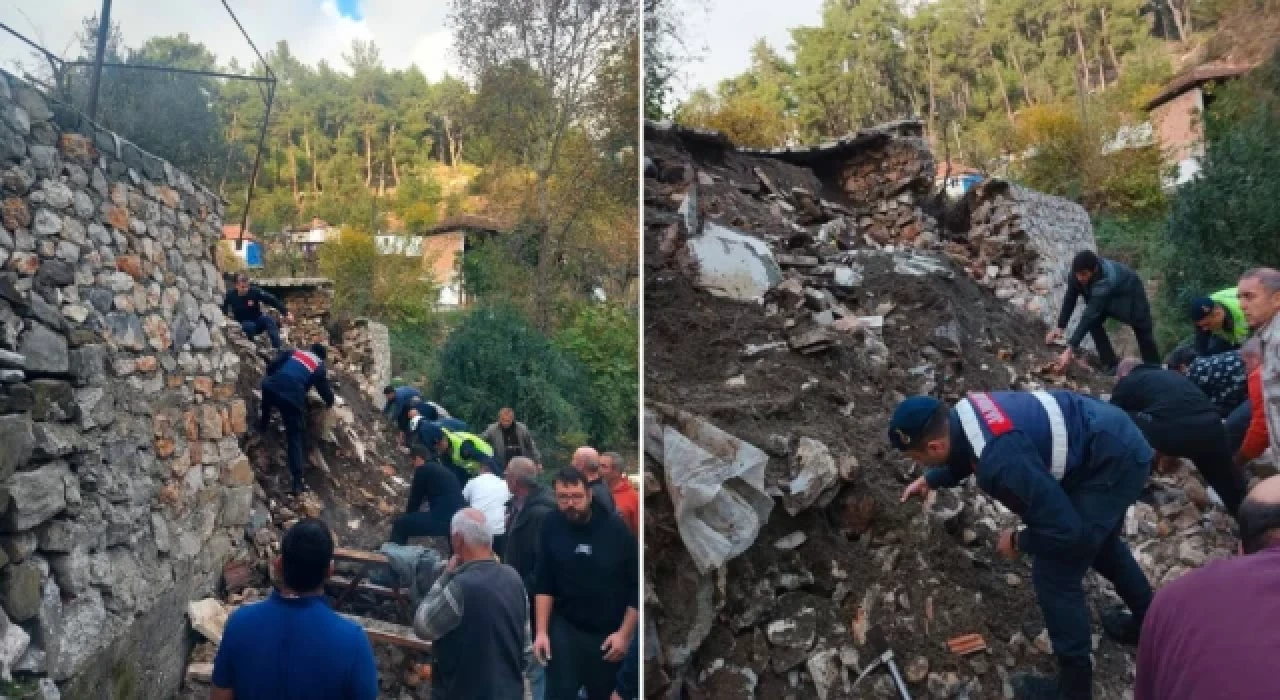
x=257, y=161
x=104, y=27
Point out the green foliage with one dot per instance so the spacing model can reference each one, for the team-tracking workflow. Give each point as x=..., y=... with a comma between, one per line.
x=496, y=358
x=417, y=202
x=393, y=288
x=1228, y=219
x=605, y=338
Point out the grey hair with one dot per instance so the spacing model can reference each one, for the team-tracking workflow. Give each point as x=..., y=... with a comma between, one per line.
x=524, y=471
x=618, y=462
x=470, y=525
x=1268, y=277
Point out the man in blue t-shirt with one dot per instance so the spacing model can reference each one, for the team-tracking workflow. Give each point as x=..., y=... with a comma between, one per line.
x=292, y=646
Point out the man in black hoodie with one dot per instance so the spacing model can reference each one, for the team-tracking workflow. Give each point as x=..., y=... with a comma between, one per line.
x=439, y=488
x=245, y=304
x=586, y=588
x=1110, y=290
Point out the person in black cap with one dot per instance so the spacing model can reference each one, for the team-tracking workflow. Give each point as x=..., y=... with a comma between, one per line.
x=1070, y=466
x=1110, y=290
x=289, y=377
x=1220, y=322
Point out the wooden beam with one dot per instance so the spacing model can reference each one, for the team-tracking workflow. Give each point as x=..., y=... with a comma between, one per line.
x=390, y=633
x=366, y=587
x=359, y=555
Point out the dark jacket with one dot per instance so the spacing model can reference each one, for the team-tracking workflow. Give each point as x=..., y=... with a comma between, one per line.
x=528, y=448
x=249, y=306
x=1115, y=291
x=1166, y=406
x=438, y=487
x=590, y=570
x=602, y=494
x=292, y=374
x=483, y=656
x=400, y=402
x=524, y=534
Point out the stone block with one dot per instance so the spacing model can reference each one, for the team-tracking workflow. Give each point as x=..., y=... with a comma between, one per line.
x=61, y=536
x=56, y=439
x=77, y=148
x=24, y=263
x=72, y=631
x=96, y=407
x=147, y=364
x=239, y=472
x=20, y=590
x=237, y=506
x=14, y=214
x=116, y=217
x=239, y=415
x=157, y=333
x=71, y=570
x=14, y=642
x=18, y=438
x=125, y=330
x=18, y=546
x=35, y=496
x=46, y=351
x=54, y=400
x=88, y=364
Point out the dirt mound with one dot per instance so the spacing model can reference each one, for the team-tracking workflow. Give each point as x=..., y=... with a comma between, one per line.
x=811, y=601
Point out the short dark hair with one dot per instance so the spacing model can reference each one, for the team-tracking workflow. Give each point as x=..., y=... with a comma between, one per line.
x=320, y=351
x=938, y=427
x=570, y=476
x=305, y=554
x=388, y=389
x=1259, y=525
x=1181, y=356
x=1085, y=261
x=241, y=277
x=420, y=451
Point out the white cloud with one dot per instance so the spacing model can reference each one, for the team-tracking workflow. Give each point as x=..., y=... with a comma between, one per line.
x=406, y=31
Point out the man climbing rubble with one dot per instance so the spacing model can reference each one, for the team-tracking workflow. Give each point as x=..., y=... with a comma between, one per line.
x=1110, y=290
x=399, y=399
x=439, y=488
x=1070, y=466
x=1212, y=632
x=1220, y=323
x=245, y=301
x=1178, y=420
x=289, y=377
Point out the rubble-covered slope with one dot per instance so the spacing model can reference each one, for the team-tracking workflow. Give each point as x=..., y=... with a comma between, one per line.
x=810, y=376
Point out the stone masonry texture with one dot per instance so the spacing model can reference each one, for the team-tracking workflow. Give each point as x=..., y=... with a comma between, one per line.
x=120, y=492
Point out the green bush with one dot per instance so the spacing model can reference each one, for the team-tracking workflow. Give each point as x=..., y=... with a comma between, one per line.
x=496, y=358
x=1228, y=219
x=605, y=338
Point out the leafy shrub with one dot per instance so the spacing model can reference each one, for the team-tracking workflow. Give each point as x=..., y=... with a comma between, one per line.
x=605, y=338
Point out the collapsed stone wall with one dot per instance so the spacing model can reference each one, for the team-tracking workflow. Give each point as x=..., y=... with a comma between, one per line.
x=1021, y=243
x=123, y=489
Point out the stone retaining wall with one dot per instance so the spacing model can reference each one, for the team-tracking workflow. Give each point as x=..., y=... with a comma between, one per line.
x=122, y=485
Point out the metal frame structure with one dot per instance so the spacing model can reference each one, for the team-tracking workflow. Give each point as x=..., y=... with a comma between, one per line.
x=60, y=67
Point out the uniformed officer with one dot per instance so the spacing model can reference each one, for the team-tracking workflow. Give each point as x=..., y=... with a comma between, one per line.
x=1070, y=466
x=289, y=377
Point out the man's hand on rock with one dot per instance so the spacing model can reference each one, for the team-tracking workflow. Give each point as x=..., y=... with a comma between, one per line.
x=919, y=487
x=1054, y=336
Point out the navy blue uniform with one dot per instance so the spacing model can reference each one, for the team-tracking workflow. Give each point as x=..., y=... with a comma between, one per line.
x=1070, y=466
x=397, y=409
x=289, y=377
x=246, y=309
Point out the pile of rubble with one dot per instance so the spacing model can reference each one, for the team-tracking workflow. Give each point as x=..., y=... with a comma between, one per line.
x=366, y=355
x=780, y=562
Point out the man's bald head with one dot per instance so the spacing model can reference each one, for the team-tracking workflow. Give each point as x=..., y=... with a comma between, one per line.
x=587, y=461
x=521, y=475
x=1259, y=516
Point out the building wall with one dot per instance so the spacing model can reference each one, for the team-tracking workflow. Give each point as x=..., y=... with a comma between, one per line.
x=125, y=486
x=1178, y=129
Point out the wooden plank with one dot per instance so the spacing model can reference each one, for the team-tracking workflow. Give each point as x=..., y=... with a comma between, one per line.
x=390, y=633
x=365, y=587
x=359, y=555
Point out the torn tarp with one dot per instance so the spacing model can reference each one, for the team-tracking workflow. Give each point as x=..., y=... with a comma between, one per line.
x=715, y=480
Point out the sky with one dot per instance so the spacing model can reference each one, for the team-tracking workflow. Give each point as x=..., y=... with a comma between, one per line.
x=406, y=31
x=720, y=35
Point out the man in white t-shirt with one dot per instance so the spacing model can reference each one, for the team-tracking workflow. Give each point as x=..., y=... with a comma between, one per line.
x=489, y=494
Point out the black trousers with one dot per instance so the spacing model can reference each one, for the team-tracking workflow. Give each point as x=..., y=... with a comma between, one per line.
x=420, y=524
x=577, y=662
x=295, y=427
x=1202, y=440
x=1107, y=354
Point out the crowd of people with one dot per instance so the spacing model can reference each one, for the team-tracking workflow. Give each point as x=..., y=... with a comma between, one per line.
x=1071, y=466
x=540, y=589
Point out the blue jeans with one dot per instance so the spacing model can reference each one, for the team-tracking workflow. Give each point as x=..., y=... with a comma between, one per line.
x=263, y=323
x=537, y=676
x=1118, y=464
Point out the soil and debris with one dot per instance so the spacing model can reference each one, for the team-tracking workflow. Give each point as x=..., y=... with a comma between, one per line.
x=358, y=483
x=840, y=570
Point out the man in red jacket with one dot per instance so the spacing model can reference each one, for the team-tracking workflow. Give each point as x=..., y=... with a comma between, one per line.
x=1255, y=438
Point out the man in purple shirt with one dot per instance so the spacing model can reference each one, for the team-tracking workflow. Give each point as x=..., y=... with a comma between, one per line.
x=1213, y=632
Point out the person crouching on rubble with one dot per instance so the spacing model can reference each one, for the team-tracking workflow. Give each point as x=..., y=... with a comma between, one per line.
x=1070, y=466
x=460, y=452
x=289, y=377
x=419, y=423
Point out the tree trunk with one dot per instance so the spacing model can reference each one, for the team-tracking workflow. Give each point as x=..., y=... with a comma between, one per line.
x=1106, y=38
x=1004, y=93
x=933, y=101
x=315, y=181
x=1080, y=50
x=1026, y=84
x=293, y=167
x=368, y=157
x=391, y=148
x=1177, y=21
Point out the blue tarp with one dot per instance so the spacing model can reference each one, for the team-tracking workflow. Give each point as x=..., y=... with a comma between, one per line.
x=253, y=254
